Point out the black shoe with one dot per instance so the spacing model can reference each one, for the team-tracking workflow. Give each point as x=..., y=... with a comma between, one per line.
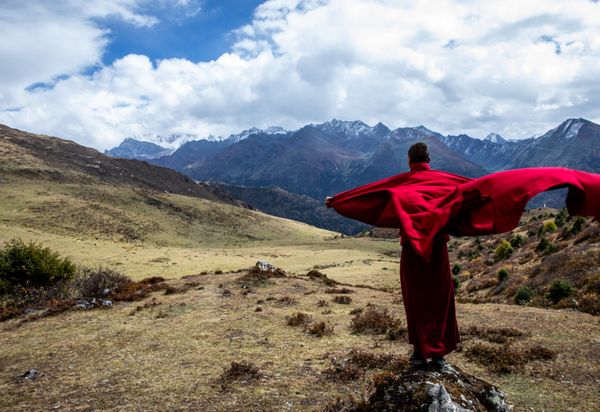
x=417, y=361
x=438, y=361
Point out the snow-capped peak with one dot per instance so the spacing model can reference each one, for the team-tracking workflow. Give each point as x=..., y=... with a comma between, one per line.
x=571, y=127
x=273, y=130
x=495, y=138
x=348, y=128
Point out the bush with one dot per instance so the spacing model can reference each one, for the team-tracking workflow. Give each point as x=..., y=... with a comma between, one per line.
x=342, y=299
x=320, y=329
x=547, y=227
x=299, y=319
x=32, y=265
x=561, y=218
x=99, y=282
x=517, y=241
x=503, y=275
x=503, y=251
x=523, y=295
x=559, y=289
x=456, y=281
x=577, y=225
x=375, y=320
x=456, y=268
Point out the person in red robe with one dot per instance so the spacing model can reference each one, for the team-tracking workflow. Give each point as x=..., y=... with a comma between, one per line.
x=427, y=205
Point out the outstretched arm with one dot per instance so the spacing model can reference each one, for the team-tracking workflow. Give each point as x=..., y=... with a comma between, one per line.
x=328, y=201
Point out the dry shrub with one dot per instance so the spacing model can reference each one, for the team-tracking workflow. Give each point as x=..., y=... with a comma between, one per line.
x=322, y=303
x=358, y=361
x=320, y=329
x=479, y=284
x=256, y=276
x=500, y=359
x=506, y=359
x=590, y=303
x=496, y=335
x=339, y=290
x=376, y=320
x=171, y=290
x=320, y=277
x=356, y=311
x=98, y=282
x=299, y=319
x=134, y=291
x=539, y=352
x=243, y=371
x=342, y=299
x=286, y=300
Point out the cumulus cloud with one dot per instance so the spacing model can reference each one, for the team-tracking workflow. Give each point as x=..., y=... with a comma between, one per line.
x=516, y=68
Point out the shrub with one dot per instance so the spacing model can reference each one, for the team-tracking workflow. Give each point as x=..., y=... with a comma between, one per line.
x=299, y=319
x=320, y=329
x=342, y=299
x=559, y=289
x=99, y=282
x=375, y=320
x=517, y=241
x=503, y=275
x=456, y=281
x=561, y=218
x=523, y=295
x=547, y=227
x=339, y=290
x=239, y=371
x=546, y=246
x=456, y=268
x=577, y=225
x=32, y=265
x=500, y=359
x=503, y=251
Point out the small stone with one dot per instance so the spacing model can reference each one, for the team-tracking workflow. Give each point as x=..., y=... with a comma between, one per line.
x=31, y=374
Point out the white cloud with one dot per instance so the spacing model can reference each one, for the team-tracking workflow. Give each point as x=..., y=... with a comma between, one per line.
x=516, y=68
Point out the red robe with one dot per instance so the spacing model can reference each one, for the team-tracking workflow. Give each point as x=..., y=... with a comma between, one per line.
x=427, y=204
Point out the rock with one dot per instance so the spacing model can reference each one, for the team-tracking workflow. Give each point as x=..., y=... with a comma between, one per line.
x=31, y=374
x=265, y=266
x=445, y=389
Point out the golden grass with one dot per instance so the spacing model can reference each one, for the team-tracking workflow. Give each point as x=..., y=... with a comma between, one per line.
x=171, y=353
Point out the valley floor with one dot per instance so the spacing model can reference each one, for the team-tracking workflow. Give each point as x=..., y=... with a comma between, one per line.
x=168, y=351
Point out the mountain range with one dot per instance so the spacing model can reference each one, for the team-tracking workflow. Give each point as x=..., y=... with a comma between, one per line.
x=318, y=160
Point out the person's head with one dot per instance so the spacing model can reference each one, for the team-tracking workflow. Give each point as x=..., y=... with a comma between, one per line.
x=418, y=152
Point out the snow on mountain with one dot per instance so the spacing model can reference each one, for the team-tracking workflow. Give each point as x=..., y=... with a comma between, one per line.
x=273, y=130
x=495, y=138
x=349, y=129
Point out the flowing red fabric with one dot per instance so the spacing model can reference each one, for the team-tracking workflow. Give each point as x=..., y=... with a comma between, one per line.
x=423, y=202
x=427, y=204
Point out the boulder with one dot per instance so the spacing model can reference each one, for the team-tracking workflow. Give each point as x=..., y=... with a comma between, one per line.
x=441, y=389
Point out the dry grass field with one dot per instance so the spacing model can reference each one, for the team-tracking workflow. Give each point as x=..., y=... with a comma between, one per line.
x=169, y=352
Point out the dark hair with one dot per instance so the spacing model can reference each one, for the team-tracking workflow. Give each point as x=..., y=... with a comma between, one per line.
x=419, y=152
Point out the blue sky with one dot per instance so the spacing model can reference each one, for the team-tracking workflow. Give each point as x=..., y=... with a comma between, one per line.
x=203, y=36
x=104, y=70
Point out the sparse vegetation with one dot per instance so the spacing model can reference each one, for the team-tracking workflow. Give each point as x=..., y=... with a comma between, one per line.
x=299, y=319
x=517, y=241
x=377, y=320
x=243, y=371
x=456, y=281
x=523, y=295
x=503, y=274
x=559, y=289
x=342, y=299
x=320, y=329
x=506, y=359
x=99, y=282
x=456, y=268
x=503, y=251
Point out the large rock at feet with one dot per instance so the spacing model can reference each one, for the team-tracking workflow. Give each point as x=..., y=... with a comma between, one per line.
x=431, y=389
